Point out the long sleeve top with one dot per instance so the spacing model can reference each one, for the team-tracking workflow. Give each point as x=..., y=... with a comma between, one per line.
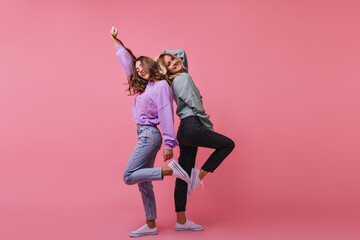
x=154, y=105
x=187, y=95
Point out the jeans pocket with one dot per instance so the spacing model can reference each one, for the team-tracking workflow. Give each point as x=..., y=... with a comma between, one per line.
x=156, y=138
x=144, y=135
x=148, y=135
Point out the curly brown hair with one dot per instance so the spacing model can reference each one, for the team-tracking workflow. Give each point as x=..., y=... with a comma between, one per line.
x=138, y=84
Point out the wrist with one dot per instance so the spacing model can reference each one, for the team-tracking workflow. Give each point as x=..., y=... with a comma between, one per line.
x=168, y=148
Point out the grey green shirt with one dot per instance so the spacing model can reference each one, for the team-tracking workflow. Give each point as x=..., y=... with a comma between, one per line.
x=187, y=95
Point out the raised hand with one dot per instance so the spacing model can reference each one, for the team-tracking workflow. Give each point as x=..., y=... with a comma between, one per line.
x=114, y=32
x=117, y=41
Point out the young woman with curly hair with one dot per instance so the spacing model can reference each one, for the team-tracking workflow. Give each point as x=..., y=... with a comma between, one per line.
x=152, y=106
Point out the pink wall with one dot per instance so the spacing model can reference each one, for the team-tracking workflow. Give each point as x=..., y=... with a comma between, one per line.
x=280, y=78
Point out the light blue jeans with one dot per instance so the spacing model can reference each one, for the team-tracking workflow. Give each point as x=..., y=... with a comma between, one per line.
x=140, y=167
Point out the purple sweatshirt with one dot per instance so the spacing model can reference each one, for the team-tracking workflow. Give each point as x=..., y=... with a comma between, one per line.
x=153, y=106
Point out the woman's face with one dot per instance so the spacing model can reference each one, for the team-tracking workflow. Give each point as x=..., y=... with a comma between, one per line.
x=172, y=64
x=141, y=71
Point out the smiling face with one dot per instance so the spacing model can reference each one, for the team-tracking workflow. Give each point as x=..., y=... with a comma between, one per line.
x=172, y=64
x=141, y=71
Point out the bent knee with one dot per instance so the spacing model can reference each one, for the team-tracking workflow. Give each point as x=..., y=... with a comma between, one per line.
x=127, y=179
x=231, y=144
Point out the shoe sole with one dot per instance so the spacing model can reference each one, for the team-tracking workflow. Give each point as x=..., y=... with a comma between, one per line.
x=142, y=234
x=191, y=189
x=193, y=229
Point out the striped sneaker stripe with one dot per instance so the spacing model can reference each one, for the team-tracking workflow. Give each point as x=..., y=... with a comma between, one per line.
x=179, y=169
x=192, y=181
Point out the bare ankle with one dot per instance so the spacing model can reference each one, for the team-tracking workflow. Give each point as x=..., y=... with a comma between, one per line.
x=151, y=223
x=202, y=174
x=181, y=217
x=166, y=171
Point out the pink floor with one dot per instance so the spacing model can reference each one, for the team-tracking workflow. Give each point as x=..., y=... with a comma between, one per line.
x=102, y=219
x=110, y=223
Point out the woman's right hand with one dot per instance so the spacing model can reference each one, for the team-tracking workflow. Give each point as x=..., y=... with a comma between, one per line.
x=115, y=40
x=113, y=32
x=167, y=154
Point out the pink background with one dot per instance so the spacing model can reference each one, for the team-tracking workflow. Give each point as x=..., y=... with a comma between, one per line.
x=281, y=78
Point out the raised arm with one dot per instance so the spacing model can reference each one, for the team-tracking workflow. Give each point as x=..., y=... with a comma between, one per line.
x=124, y=54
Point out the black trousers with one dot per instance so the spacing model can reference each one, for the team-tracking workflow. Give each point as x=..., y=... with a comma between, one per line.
x=191, y=135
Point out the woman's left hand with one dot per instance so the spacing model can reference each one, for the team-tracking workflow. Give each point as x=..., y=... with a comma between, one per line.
x=167, y=154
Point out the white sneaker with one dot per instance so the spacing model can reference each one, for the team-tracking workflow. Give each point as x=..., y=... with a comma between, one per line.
x=143, y=231
x=195, y=181
x=188, y=226
x=178, y=171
